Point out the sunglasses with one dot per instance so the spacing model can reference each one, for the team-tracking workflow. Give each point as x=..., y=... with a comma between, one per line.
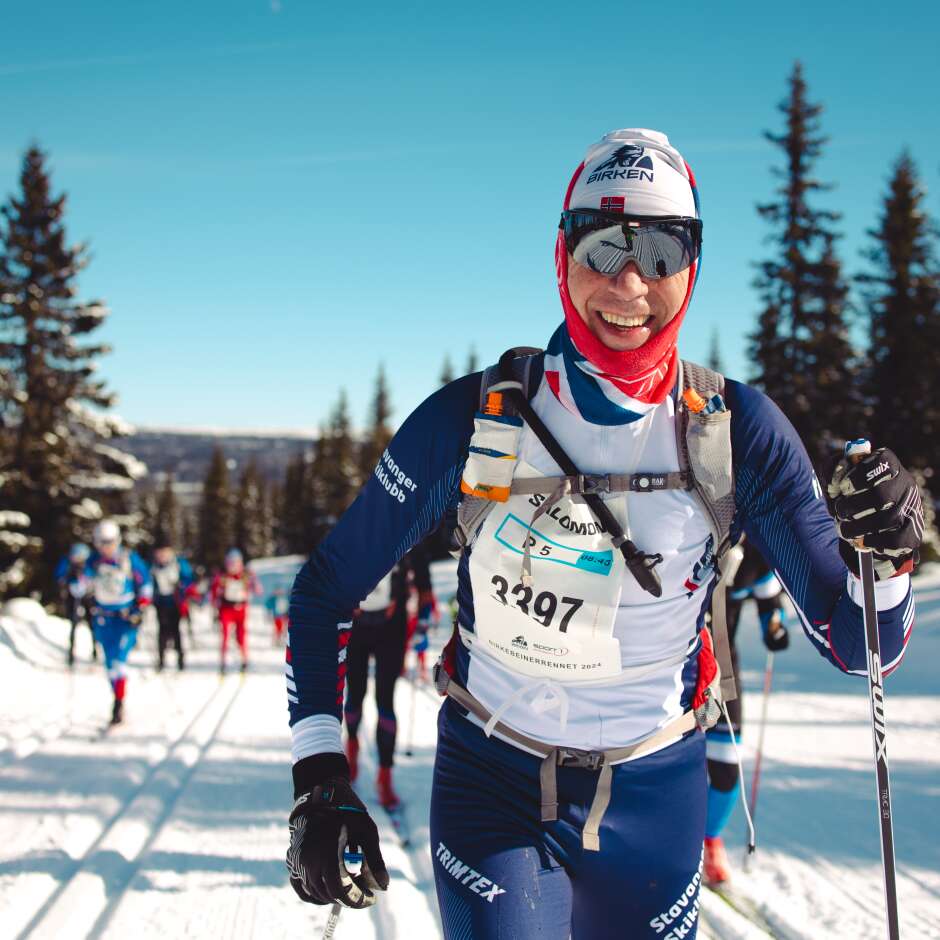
x=606, y=242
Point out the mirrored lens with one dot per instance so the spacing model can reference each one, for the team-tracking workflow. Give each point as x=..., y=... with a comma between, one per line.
x=660, y=249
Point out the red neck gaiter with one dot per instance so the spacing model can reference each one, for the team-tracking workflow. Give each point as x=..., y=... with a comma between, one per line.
x=648, y=373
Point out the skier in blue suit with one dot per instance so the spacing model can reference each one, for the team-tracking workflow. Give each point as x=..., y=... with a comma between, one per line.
x=120, y=589
x=597, y=488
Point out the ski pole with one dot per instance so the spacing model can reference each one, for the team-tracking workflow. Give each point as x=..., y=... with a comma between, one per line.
x=350, y=858
x=409, y=752
x=758, y=758
x=855, y=451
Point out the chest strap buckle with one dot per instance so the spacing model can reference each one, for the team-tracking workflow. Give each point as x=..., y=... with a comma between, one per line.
x=592, y=484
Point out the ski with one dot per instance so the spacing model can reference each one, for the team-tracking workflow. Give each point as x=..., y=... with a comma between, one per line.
x=744, y=907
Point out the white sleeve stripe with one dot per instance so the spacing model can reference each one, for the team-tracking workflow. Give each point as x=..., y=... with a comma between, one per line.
x=807, y=626
x=292, y=699
x=288, y=670
x=291, y=686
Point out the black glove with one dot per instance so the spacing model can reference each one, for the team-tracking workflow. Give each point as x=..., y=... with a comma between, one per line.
x=328, y=818
x=775, y=634
x=877, y=500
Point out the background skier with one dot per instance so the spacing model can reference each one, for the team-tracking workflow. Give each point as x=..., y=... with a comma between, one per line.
x=120, y=589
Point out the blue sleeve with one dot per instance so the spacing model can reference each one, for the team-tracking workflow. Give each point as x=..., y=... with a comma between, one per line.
x=186, y=573
x=143, y=586
x=782, y=510
x=61, y=569
x=416, y=480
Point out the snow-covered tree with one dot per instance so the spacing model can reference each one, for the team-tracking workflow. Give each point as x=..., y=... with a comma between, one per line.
x=253, y=525
x=58, y=467
x=801, y=351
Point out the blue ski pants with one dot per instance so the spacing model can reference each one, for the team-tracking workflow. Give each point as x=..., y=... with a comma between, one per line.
x=502, y=874
x=117, y=637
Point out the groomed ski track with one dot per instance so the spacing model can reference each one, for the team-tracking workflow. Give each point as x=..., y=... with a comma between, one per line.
x=173, y=824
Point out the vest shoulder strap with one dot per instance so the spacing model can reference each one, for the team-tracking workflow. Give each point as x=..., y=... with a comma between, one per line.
x=527, y=371
x=704, y=446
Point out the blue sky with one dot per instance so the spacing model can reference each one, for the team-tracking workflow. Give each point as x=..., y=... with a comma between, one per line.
x=280, y=196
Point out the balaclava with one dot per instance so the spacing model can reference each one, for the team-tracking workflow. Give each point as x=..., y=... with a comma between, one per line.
x=637, y=172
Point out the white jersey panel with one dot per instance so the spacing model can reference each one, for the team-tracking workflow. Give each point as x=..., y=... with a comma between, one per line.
x=650, y=630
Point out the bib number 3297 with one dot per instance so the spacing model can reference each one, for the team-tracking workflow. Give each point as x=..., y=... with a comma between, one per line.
x=545, y=607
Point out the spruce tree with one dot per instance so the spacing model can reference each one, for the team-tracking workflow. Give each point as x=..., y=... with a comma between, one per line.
x=379, y=432
x=901, y=302
x=447, y=371
x=252, y=534
x=215, y=514
x=294, y=512
x=801, y=352
x=472, y=361
x=334, y=470
x=167, y=525
x=58, y=470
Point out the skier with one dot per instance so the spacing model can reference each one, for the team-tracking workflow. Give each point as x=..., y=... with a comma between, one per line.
x=73, y=586
x=379, y=630
x=277, y=604
x=569, y=790
x=120, y=590
x=753, y=579
x=172, y=578
x=231, y=593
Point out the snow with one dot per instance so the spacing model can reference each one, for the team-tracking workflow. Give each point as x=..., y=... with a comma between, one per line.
x=174, y=824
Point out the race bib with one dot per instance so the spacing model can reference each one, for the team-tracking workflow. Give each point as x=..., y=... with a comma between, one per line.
x=560, y=625
x=167, y=577
x=235, y=591
x=111, y=587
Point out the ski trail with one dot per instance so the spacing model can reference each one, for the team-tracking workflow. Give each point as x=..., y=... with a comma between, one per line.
x=158, y=804
x=82, y=894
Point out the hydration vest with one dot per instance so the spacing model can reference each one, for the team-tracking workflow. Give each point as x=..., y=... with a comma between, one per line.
x=703, y=442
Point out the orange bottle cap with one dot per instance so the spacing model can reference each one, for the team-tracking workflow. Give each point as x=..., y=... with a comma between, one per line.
x=693, y=400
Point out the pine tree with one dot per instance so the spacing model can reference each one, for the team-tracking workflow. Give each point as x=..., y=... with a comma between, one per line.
x=334, y=470
x=58, y=470
x=252, y=533
x=901, y=298
x=275, y=509
x=447, y=371
x=167, y=524
x=802, y=355
x=378, y=433
x=472, y=361
x=215, y=514
x=189, y=528
x=714, y=353
x=294, y=511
